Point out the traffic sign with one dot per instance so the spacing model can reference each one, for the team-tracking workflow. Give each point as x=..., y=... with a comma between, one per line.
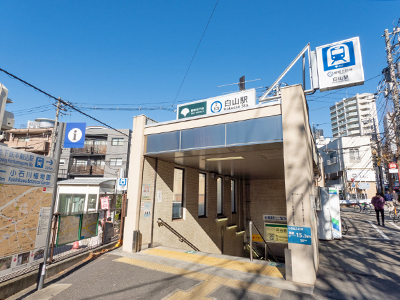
x=74, y=135
x=22, y=159
x=363, y=186
x=122, y=184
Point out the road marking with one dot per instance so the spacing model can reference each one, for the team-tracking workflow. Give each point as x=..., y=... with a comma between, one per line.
x=206, y=287
x=391, y=223
x=361, y=237
x=379, y=231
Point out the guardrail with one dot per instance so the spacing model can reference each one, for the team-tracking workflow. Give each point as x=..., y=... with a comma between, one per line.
x=251, y=224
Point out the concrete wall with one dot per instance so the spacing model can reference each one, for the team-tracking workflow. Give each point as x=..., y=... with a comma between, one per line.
x=298, y=149
x=206, y=233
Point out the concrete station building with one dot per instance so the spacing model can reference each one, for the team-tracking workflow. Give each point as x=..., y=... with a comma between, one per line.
x=208, y=176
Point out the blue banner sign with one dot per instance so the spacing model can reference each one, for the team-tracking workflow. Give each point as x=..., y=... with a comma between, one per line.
x=22, y=159
x=19, y=176
x=299, y=235
x=74, y=135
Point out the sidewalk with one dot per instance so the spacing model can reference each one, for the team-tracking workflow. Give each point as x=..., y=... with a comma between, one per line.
x=352, y=268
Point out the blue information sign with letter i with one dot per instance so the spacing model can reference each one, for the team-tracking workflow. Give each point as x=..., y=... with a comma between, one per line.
x=74, y=135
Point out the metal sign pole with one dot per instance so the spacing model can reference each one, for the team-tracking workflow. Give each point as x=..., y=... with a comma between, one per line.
x=42, y=268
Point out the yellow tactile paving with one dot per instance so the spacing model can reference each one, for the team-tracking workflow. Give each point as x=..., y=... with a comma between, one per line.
x=209, y=284
x=247, y=267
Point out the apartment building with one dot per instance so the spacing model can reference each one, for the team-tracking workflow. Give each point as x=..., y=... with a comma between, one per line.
x=354, y=116
x=35, y=138
x=348, y=165
x=105, y=152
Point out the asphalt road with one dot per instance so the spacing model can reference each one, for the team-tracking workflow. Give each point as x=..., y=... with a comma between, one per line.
x=365, y=264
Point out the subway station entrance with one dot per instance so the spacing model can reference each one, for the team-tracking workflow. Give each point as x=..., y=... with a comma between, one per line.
x=215, y=183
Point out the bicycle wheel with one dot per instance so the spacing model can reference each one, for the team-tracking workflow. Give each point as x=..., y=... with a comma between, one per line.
x=391, y=215
x=345, y=228
x=357, y=208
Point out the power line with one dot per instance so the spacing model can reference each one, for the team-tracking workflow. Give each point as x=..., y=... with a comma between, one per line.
x=187, y=71
x=62, y=101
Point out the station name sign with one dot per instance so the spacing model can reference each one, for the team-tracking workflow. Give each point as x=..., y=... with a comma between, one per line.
x=225, y=103
x=340, y=64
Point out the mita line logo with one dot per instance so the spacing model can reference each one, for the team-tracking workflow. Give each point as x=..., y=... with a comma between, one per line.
x=338, y=56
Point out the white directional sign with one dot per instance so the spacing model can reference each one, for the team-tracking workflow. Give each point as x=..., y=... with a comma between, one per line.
x=18, y=158
x=19, y=176
x=363, y=186
x=269, y=218
x=122, y=184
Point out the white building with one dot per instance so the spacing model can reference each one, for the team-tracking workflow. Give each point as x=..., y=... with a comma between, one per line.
x=354, y=116
x=348, y=158
x=322, y=141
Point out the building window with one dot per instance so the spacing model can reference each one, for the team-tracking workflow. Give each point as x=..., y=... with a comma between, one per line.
x=92, y=203
x=219, y=195
x=115, y=161
x=117, y=142
x=202, y=195
x=62, y=161
x=177, y=201
x=23, y=139
x=354, y=155
x=71, y=204
x=233, y=196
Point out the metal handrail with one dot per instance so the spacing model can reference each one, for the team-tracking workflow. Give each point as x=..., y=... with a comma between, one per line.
x=160, y=223
x=251, y=224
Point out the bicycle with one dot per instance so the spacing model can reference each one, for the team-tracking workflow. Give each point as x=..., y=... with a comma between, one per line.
x=365, y=208
x=394, y=214
x=345, y=228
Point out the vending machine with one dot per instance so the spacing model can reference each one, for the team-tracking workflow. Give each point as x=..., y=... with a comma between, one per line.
x=329, y=226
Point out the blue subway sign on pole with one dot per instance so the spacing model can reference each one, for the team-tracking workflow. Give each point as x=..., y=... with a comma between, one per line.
x=74, y=135
x=340, y=65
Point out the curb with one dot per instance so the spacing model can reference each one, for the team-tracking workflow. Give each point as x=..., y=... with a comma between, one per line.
x=16, y=285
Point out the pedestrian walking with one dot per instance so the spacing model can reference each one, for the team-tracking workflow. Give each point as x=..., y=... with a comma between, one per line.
x=389, y=200
x=379, y=203
x=395, y=197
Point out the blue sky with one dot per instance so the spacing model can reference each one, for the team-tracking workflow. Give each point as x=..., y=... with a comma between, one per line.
x=136, y=53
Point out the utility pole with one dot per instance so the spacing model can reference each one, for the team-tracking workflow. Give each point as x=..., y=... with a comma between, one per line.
x=42, y=267
x=53, y=136
x=394, y=86
x=379, y=164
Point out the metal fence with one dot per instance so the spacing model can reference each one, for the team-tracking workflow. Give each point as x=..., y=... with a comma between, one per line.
x=66, y=251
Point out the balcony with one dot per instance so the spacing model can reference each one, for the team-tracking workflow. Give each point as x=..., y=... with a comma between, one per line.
x=351, y=102
x=352, y=114
x=351, y=108
x=352, y=120
x=334, y=125
x=90, y=149
x=41, y=147
x=353, y=126
x=86, y=170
